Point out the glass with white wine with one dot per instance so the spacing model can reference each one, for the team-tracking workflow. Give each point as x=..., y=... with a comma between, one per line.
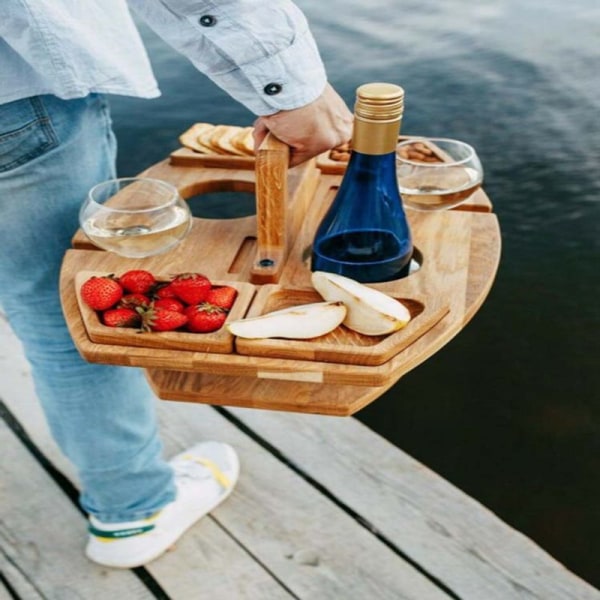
x=135, y=216
x=436, y=173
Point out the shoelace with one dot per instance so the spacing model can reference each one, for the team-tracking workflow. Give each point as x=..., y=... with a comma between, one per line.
x=190, y=470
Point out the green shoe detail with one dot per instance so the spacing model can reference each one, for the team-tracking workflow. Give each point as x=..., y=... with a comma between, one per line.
x=119, y=533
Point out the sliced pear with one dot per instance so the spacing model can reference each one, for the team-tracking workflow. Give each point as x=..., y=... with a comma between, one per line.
x=296, y=322
x=370, y=311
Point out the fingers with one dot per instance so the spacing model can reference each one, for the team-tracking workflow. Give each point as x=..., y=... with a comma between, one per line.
x=298, y=157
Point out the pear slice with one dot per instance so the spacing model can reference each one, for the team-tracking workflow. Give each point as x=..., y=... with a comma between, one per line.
x=370, y=311
x=296, y=322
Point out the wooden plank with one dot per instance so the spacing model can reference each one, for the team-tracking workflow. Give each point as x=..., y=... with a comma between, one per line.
x=307, y=393
x=42, y=535
x=4, y=593
x=449, y=534
x=22, y=588
x=275, y=521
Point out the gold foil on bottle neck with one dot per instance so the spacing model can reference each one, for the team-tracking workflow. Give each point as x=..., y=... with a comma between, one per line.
x=377, y=116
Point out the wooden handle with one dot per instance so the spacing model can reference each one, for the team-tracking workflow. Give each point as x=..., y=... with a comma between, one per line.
x=272, y=158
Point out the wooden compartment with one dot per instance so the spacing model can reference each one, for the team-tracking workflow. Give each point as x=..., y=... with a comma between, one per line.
x=220, y=341
x=341, y=345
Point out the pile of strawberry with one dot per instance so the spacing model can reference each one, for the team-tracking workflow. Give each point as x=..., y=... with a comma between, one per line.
x=188, y=302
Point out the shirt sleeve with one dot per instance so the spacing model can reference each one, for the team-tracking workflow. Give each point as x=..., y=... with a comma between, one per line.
x=262, y=53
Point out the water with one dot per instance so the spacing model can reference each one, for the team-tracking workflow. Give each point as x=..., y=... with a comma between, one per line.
x=509, y=410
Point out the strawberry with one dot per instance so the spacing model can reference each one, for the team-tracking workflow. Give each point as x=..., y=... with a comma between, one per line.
x=160, y=319
x=203, y=318
x=137, y=281
x=191, y=288
x=133, y=300
x=101, y=292
x=163, y=290
x=169, y=304
x=222, y=295
x=120, y=317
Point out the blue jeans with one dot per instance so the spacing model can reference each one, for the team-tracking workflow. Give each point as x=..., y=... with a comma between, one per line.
x=102, y=417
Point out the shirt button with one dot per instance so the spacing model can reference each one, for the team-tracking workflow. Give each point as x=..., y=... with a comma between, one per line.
x=271, y=89
x=207, y=21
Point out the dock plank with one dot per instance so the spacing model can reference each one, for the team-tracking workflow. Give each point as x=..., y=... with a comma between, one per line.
x=451, y=535
x=4, y=593
x=20, y=585
x=42, y=536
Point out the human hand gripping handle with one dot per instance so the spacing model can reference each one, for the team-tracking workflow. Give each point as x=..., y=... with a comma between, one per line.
x=311, y=129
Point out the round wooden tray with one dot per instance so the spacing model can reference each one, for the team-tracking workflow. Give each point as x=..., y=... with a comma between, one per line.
x=337, y=374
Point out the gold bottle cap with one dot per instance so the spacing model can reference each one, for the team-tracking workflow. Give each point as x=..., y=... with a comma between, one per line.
x=379, y=102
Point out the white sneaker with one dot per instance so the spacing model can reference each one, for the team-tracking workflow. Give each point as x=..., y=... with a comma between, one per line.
x=204, y=476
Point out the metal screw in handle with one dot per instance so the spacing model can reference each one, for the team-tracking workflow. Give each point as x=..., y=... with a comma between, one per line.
x=266, y=262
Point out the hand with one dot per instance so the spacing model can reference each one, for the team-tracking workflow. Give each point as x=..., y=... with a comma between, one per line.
x=311, y=129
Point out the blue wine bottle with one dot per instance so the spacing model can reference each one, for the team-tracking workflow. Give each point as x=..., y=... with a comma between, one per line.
x=364, y=234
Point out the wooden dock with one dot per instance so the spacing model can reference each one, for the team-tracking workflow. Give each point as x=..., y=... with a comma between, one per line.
x=325, y=509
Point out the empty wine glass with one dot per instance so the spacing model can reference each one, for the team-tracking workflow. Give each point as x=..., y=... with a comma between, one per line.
x=135, y=216
x=436, y=173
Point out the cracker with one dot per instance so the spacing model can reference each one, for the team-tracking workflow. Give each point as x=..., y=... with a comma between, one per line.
x=221, y=138
x=205, y=139
x=191, y=138
x=244, y=141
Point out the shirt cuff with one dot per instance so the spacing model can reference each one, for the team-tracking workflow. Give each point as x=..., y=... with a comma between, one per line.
x=292, y=78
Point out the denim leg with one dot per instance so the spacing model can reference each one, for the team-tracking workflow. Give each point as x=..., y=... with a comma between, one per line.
x=102, y=417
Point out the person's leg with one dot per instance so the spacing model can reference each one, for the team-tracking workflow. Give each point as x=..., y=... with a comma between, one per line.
x=51, y=152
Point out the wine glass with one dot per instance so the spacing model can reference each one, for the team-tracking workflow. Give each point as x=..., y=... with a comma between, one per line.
x=436, y=173
x=135, y=216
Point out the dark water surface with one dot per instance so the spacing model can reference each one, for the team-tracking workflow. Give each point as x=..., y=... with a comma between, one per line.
x=509, y=411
